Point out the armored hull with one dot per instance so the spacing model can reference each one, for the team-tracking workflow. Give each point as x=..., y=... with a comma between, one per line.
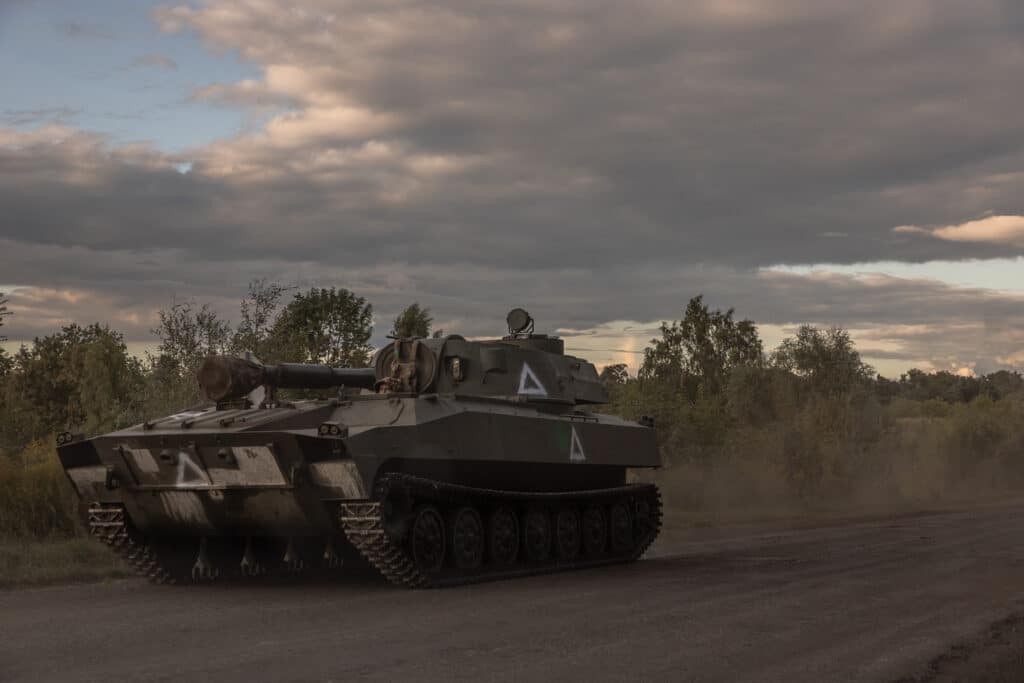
x=465, y=460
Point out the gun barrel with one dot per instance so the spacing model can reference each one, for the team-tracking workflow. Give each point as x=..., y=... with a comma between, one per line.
x=309, y=376
x=224, y=378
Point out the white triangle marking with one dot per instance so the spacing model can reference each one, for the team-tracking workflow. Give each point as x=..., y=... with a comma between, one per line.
x=576, y=453
x=185, y=462
x=526, y=378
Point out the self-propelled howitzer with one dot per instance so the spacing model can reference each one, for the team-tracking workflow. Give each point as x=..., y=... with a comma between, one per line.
x=447, y=461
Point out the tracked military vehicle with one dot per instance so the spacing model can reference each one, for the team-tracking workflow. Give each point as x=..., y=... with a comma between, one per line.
x=447, y=461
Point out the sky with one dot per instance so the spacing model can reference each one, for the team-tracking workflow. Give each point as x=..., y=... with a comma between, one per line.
x=828, y=163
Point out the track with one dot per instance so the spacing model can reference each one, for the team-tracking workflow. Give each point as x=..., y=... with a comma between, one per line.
x=369, y=530
x=862, y=601
x=109, y=525
x=380, y=532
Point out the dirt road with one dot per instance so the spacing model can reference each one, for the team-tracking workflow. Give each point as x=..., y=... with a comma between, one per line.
x=862, y=601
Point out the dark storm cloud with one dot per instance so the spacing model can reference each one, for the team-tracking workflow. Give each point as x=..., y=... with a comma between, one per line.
x=725, y=132
x=593, y=161
x=63, y=187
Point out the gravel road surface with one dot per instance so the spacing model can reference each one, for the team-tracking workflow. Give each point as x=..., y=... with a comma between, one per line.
x=898, y=598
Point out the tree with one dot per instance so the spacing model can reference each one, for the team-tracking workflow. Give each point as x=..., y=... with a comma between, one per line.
x=614, y=374
x=81, y=377
x=6, y=363
x=188, y=335
x=827, y=358
x=918, y=385
x=331, y=326
x=756, y=396
x=3, y=313
x=257, y=312
x=1003, y=383
x=698, y=352
x=413, y=321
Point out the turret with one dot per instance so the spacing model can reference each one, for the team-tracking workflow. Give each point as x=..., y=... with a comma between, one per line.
x=522, y=367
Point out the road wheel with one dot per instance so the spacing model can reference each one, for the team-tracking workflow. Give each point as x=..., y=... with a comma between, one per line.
x=537, y=535
x=466, y=534
x=595, y=531
x=503, y=536
x=567, y=533
x=646, y=521
x=621, y=527
x=426, y=540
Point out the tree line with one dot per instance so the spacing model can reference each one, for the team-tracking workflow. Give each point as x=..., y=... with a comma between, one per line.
x=808, y=420
x=814, y=416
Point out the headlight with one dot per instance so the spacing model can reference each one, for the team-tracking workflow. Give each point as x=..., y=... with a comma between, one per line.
x=332, y=429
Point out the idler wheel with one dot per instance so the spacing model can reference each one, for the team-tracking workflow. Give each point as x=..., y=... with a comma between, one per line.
x=503, y=536
x=595, y=531
x=426, y=540
x=466, y=531
x=621, y=524
x=568, y=538
x=537, y=535
x=646, y=523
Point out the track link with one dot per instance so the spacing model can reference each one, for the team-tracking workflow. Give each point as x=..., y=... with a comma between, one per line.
x=108, y=523
x=364, y=528
x=383, y=542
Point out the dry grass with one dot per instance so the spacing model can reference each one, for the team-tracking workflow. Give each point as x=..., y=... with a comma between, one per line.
x=24, y=563
x=41, y=538
x=788, y=469
x=36, y=499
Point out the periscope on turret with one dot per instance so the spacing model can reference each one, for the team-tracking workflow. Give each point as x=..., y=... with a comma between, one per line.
x=446, y=461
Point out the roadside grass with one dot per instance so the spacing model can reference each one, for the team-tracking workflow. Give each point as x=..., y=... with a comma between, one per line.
x=41, y=538
x=39, y=562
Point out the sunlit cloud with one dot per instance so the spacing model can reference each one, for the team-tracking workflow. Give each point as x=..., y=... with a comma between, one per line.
x=1002, y=229
x=999, y=229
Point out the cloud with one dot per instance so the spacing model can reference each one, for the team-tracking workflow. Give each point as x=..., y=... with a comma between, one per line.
x=247, y=93
x=592, y=162
x=1007, y=231
x=38, y=311
x=154, y=61
x=708, y=129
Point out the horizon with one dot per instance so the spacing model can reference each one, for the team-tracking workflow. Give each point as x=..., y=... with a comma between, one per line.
x=598, y=346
